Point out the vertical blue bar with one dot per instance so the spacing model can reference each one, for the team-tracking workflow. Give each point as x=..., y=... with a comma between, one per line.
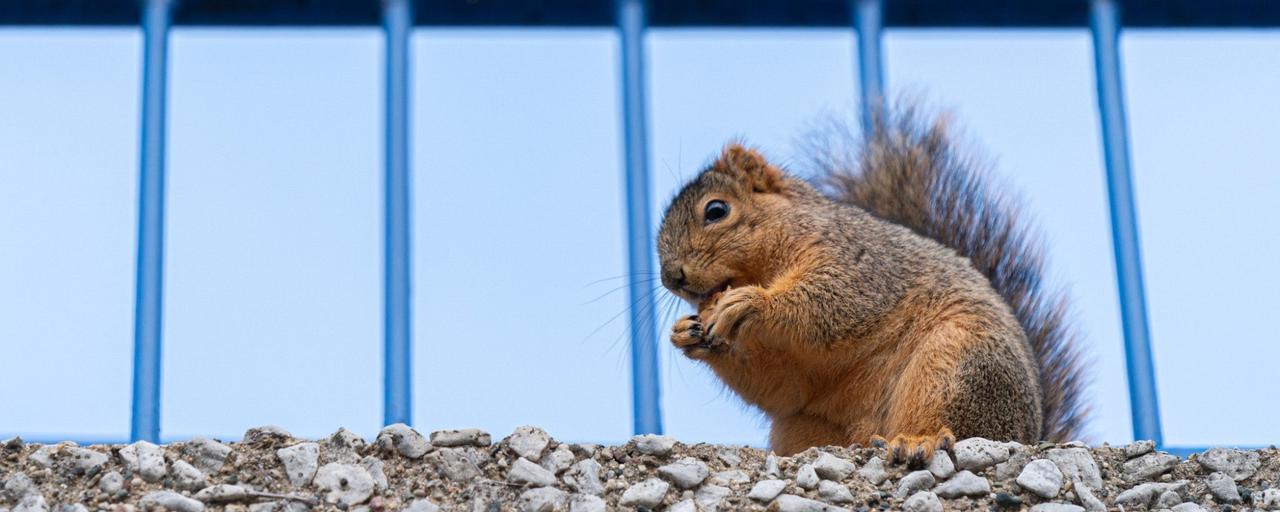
x=646, y=404
x=397, y=364
x=867, y=22
x=1105, y=21
x=148, y=298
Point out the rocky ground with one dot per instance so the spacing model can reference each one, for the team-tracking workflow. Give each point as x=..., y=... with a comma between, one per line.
x=271, y=471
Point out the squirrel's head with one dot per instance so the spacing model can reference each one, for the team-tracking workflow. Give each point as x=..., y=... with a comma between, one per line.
x=723, y=227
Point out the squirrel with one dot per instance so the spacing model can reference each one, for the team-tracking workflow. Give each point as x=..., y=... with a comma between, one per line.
x=896, y=301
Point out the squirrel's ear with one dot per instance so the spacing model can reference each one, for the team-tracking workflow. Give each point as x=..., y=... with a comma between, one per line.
x=750, y=167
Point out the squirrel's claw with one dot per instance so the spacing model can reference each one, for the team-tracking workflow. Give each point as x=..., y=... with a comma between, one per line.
x=915, y=450
x=733, y=309
x=689, y=335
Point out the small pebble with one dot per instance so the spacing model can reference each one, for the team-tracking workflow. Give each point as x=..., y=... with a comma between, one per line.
x=941, y=466
x=205, y=454
x=685, y=505
x=923, y=501
x=457, y=465
x=686, y=473
x=834, y=492
x=793, y=503
x=1138, y=448
x=347, y=484
x=874, y=471
x=524, y=471
x=399, y=438
x=830, y=467
x=770, y=467
x=186, y=476
x=976, y=453
x=300, y=462
x=222, y=492
x=1168, y=499
x=584, y=477
x=964, y=483
x=111, y=483
x=913, y=482
x=1057, y=507
x=375, y=466
x=586, y=503
x=1235, y=463
x=650, y=444
x=559, y=459
x=807, y=477
x=766, y=490
x=648, y=493
x=465, y=437
x=1223, y=488
x=1042, y=478
x=1077, y=465
x=544, y=499
x=709, y=497
x=171, y=500
x=422, y=505
x=528, y=442
x=144, y=459
x=343, y=446
x=1006, y=500
x=1148, y=466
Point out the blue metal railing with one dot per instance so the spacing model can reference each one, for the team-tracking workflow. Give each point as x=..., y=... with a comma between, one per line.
x=631, y=18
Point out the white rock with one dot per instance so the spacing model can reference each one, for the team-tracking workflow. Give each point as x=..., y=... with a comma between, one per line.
x=1077, y=465
x=1057, y=507
x=1144, y=494
x=648, y=493
x=524, y=471
x=32, y=502
x=1148, y=466
x=830, y=467
x=708, y=497
x=766, y=490
x=18, y=485
x=558, y=460
x=770, y=467
x=686, y=473
x=347, y=484
x=584, y=477
x=834, y=492
x=465, y=437
x=399, y=438
x=186, y=476
x=343, y=446
x=265, y=432
x=529, y=442
x=1237, y=464
x=683, y=506
x=300, y=462
x=1188, y=507
x=1168, y=499
x=78, y=461
x=793, y=503
x=1223, y=488
x=1090, y=502
x=171, y=500
x=874, y=471
x=923, y=501
x=806, y=477
x=913, y=482
x=976, y=453
x=1042, y=478
x=1269, y=499
x=423, y=505
x=730, y=477
x=544, y=499
x=222, y=492
x=729, y=456
x=145, y=460
x=586, y=503
x=941, y=466
x=111, y=482
x=650, y=444
x=374, y=466
x=964, y=483
x=206, y=454
x=456, y=464
x=43, y=456
x=1138, y=448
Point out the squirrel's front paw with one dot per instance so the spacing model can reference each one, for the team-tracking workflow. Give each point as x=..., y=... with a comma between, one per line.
x=915, y=450
x=689, y=335
x=734, y=309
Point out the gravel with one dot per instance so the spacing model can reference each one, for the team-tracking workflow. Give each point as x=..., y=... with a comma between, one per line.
x=466, y=470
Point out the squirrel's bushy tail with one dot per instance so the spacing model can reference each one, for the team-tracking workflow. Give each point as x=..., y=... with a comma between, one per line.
x=907, y=170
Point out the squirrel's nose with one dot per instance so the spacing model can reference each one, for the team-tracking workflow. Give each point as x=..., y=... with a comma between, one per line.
x=673, y=276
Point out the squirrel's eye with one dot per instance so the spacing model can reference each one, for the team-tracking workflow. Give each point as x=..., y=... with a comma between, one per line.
x=715, y=210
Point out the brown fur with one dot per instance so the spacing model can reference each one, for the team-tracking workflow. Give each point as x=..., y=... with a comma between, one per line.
x=841, y=326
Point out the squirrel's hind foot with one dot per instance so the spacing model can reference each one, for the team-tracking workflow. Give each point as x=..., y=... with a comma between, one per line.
x=915, y=450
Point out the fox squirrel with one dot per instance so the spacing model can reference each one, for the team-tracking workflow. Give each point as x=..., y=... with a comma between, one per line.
x=903, y=299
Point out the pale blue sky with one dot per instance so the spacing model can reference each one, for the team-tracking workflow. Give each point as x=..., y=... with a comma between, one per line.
x=273, y=278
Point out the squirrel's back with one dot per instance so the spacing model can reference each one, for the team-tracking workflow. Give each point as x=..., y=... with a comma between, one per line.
x=908, y=171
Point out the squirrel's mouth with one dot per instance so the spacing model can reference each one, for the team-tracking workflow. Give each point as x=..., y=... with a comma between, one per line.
x=697, y=298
